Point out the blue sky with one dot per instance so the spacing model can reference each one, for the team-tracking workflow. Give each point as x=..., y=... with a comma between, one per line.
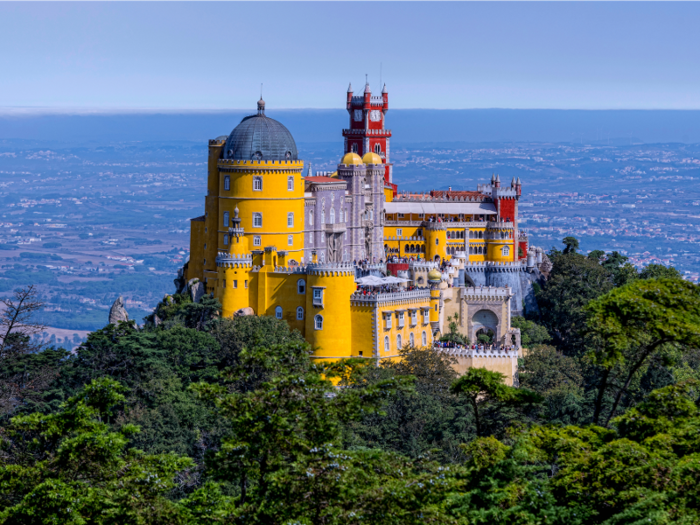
x=109, y=56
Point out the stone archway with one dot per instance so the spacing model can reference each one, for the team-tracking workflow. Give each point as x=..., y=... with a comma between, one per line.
x=484, y=320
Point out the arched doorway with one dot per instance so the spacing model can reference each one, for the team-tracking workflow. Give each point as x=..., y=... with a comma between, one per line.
x=485, y=324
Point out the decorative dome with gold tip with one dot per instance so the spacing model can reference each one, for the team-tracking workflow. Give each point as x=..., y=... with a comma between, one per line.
x=351, y=159
x=371, y=158
x=434, y=275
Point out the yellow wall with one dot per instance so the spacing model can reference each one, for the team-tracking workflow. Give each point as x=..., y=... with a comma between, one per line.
x=195, y=268
x=334, y=340
x=405, y=332
x=274, y=201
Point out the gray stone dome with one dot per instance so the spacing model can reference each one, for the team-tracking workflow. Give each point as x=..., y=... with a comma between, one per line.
x=258, y=137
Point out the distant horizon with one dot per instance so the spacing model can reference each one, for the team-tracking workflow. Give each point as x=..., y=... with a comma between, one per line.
x=50, y=110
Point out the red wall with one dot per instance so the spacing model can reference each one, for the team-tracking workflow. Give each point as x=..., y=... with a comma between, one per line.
x=507, y=209
x=523, y=247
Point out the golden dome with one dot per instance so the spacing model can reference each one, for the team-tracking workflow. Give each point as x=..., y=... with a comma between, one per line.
x=371, y=158
x=351, y=159
x=434, y=275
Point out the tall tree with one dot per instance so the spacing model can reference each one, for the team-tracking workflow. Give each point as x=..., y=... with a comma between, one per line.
x=635, y=322
x=482, y=387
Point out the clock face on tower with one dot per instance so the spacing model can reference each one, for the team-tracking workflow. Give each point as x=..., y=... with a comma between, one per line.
x=375, y=115
x=358, y=115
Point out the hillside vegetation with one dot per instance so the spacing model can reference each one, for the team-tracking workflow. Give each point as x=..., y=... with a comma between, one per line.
x=203, y=420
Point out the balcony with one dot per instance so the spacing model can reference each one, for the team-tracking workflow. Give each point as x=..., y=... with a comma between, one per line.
x=338, y=227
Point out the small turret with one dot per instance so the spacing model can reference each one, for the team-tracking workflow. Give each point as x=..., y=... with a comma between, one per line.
x=518, y=187
x=498, y=181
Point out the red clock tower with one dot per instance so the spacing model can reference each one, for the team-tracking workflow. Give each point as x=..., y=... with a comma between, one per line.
x=366, y=132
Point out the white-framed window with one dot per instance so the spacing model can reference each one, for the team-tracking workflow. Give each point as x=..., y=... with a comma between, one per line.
x=226, y=223
x=290, y=183
x=400, y=319
x=301, y=287
x=227, y=183
x=278, y=312
x=318, y=322
x=398, y=342
x=290, y=240
x=300, y=313
x=332, y=216
x=387, y=347
x=318, y=295
x=399, y=232
x=353, y=148
x=311, y=218
x=426, y=316
x=387, y=321
x=225, y=239
x=505, y=251
x=290, y=220
x=414, y=316
x=411, y=340
x=257, y=220
x=257, y=183
x=257, y=241
x=424, y=338
x=377, y=148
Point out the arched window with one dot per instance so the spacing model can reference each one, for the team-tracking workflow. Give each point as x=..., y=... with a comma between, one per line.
x=424, y=338
x=411, y=341
x=226, y=224
x=301, y=286
x=311, y=218
x=353, y=148
x=257, y=220
x=257, y=183
x=318, y=322
x=371, y=214
x=386, y=344
x=332, y=216
x=377, y=148
x=481, y=235
x=505, y=251
x=290, y=240
x=278, y=312
x=300, y=313
x=398, y=342
x=290, y=220
x=437, y=242
x=227, y=183
x=225, y=240
x=290, y=183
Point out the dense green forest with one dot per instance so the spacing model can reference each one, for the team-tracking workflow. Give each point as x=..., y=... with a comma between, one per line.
x=198, y=419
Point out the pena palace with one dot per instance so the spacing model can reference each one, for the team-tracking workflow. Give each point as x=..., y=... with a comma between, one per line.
x=359, y=267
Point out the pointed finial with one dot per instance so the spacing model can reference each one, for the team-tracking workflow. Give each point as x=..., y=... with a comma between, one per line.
x=367, y=90
x=498, y=178
x=384, y=90
x=350, y=87
x=493, y=178
x=235, y=213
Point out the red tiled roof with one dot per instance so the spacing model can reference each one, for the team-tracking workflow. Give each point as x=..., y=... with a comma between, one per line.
x=451, y=194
